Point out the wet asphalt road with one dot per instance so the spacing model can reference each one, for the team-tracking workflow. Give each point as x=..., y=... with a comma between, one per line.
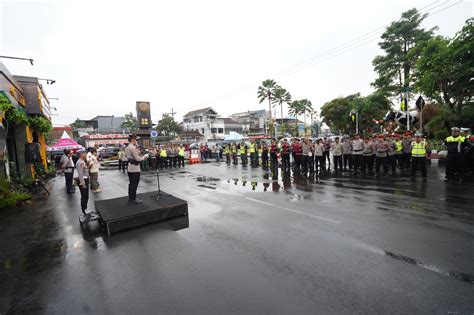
x=253, y=245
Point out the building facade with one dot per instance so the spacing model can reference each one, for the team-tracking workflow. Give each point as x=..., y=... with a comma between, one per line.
x=207, y=123
x=253, y=122
x=104, y=124
x=23, y=100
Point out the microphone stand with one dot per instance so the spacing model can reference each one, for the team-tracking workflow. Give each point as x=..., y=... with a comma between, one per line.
x=158, y=181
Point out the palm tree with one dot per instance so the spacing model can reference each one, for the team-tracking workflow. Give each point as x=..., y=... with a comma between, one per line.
x=266, y=91
x=294, y=108
x=281, y=96
x=305, y=106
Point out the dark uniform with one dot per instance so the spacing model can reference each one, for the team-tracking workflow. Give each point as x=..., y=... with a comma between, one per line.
x=285, y=155
x=456, y=146
x=264, y=155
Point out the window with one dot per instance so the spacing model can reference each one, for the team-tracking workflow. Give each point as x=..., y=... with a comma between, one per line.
x=220, y=130
x=202, y=129
x=213, y=130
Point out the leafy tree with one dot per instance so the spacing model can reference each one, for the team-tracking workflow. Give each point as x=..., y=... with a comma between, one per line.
x=444, y=73
x=281, y=96
x=78, y=123
x=399, y=42
x=129, y=122
x=168, y=126
x=266, y=91
x=371, y=108
x=335, y=114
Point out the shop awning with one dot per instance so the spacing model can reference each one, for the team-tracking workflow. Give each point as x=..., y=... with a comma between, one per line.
x=65, y=143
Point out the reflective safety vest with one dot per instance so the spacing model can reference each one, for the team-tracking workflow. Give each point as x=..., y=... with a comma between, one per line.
x=252, y=148
x=163, y=153
x=398, y=146
x=233, y=149
x=454, y=144
x=226, y=150
x=181, y=152
x=418, y=149
x=242, y=150
x=457, y=139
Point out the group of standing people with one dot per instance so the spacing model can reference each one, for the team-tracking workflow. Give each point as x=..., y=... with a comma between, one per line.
x=87, y=170
x=160, y=157
x=377, y=155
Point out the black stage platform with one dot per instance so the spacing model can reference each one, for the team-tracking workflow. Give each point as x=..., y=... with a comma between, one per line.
x=118, y=215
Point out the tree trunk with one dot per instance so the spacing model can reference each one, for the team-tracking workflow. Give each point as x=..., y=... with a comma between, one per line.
x=304, y=119
x=270, y=113
x=281, y=108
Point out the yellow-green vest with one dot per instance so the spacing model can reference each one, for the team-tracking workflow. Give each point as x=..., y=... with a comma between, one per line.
x=457, y=139
x=418, y=149
x=163, y=153
x=181, y=152
x=252, y=148
x=398, y=146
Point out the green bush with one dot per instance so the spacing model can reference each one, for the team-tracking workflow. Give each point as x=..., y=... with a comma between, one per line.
x=40, y=124
x=441, y=134
x=11, y=196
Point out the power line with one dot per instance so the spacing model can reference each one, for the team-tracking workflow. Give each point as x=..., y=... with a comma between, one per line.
x=353, y=41
x=347, y=47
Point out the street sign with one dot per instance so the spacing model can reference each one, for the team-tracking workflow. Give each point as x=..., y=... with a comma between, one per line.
x=154, y=133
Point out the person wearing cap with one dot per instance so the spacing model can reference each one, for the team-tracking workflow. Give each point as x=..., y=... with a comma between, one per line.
x=307, y=155
x=406, y=149
x=134, y=159
x=297, y=151
x=67, y=165
x=381, y=151
x=318, y=156
x=327, y=148
x=336, y=148
x=367, y=156
x=391, y=154
x=285, y=155
x=418, y=156
x=357, y=158
x=465, y=132
x=347, y=154
x=274, y=155
x=456, y=146
x=398, y=150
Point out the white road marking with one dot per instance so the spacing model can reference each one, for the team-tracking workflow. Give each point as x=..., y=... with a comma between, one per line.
x=294, y=211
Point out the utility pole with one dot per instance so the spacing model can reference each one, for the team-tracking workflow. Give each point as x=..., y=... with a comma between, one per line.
x=172, y=113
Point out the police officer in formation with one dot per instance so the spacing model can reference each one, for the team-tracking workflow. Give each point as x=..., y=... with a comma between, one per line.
x=376, y=155
x=458, y=147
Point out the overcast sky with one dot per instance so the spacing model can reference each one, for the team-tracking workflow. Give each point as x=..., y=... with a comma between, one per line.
x=105, y=55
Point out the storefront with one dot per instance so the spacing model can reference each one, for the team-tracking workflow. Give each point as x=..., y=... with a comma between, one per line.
x=104, y=140
x=13, y=127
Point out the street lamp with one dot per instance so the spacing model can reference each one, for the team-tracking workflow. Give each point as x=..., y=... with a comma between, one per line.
x=18, y=58
x=48, y=81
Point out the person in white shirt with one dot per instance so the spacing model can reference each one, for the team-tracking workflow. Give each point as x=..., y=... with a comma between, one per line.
x=83, y=179
x=94, y=165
